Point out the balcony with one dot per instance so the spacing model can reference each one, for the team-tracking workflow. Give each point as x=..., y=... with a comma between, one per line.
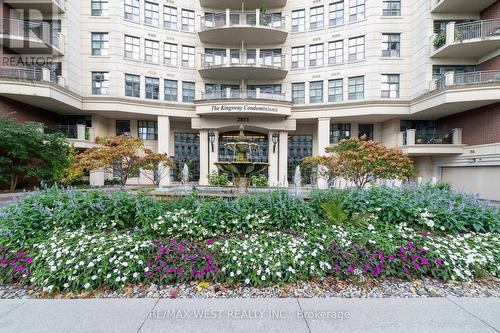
x=460, y=6
x=31, y=37
x=249, y=4
x=430, y=142
x=78, y=135
x=467, y=40
x=233, y=28
x=249, y=64
x=43, y=6
x=231, y=94
x=464, y=79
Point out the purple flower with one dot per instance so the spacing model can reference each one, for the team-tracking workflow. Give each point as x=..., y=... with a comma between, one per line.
x=407, y=271
x=438, y=262
x=416, y=265
x=336, y=267
x=19, y=268
x=350, y=269
x=391, y=258
x=424, y=261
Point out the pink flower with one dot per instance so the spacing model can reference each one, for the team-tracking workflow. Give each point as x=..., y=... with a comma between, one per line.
x=424, y=261
x=350, y=269
x=416, y=265
x=438, y=262
x=336, y=267
x=28, y=260
x=391, y=258
x=407, y=271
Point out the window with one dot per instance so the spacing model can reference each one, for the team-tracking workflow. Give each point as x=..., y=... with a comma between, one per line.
x=188, y=92
x=317, y=17
x=316, y=55
x=170, y=54
x=299, y=93
x=170, y=17
x=365, y=130
x=132, y=85
x=132, y=47
x=123, y=127
x=298, y=20
x=187, y=20
x=151, y=13
x=356, y=10
x=391, y=45
x=171, y=90
x=100, y=83
x=390, y=85
x=356, y=88
x=339, y=132
x=316, y=92
x=335, y=90
x=336, y=13
x=99, y=8
x=356, y=48
x=298, y=57
x=188, y=56
x=152, y=88
x=100, y=44
x=391, y=7
x=152, y=51
x=147, y=130
x=132, y=9
x=336, y=52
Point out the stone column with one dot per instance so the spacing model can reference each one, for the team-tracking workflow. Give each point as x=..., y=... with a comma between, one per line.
x=80, y=131
x=323, y=135
x=411, y=137
x=204, y=153
x=457, y=136
x=273, y=161
x=214, y=153
x=97, y=178
x=283, y=160
x=163, y=147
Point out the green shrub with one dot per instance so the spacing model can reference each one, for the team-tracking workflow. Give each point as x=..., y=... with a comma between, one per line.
x=112, y=182
x=221, y=179
x=44, y=211
x=423, y=206
x=259, y=180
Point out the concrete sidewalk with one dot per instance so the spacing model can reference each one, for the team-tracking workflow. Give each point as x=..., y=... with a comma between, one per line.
x=251, y=315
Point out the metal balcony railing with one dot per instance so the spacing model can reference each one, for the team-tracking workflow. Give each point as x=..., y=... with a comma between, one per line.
x=477, y=29
x=243, y=94
x=69, y=131
x=457, y=33
x=458, y=79
x=22, y=73
x=238, y=18
x=42, y=31
x=243, y=58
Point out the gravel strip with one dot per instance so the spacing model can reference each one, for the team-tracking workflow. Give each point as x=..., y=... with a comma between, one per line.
x=327, y=287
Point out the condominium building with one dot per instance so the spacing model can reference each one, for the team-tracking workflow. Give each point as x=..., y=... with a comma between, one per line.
x=300, y=75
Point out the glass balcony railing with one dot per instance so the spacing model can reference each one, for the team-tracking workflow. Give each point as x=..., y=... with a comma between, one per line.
x=243, y=19
x=243, y=58
x=41, y=31
x=243, y=94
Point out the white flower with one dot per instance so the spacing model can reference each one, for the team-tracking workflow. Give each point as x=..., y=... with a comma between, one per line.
x=118, y=279
x=94, y=277
x=247, y=281
x=263, y=278
x=66, y=285
x=135, y=275
x=87, y=285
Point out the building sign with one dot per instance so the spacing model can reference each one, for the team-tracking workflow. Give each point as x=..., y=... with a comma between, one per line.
x=225, y=109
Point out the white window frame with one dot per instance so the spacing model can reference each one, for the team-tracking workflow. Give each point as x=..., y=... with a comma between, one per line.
x=298, y=57
x=357, y=48
x=299, y=20
x=317, y=17
x=152, y=51
x=151, y=13
x=336, y=13
x=132, y=47
x=336, y=52
x=316, y=55
x=187, y=20
x=170, y=20
x=188, y=56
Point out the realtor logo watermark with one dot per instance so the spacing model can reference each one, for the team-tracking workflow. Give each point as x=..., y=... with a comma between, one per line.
x=247, y=314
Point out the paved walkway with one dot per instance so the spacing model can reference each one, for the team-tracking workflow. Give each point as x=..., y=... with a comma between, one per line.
x=251, y=315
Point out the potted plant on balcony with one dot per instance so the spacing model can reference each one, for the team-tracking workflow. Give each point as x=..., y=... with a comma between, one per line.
x=265, y=19
x=439, y=40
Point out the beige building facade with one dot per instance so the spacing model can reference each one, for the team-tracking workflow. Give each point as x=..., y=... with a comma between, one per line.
x=184, y=75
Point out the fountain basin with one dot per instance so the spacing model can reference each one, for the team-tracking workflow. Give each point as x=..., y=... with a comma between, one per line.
x=241, y=172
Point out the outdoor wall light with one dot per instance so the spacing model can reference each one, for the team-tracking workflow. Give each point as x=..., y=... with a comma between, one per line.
x=275, y=141
x=211, y=138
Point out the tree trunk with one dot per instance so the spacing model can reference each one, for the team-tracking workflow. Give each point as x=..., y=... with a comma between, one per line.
x=13, y=181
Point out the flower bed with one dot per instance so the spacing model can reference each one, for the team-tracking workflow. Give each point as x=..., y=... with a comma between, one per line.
x=77, y=243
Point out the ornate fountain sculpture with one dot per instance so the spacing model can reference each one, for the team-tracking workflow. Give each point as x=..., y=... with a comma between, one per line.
x=241, y=167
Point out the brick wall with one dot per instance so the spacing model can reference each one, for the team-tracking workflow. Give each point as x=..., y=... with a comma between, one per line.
x=491, y=12
x=480, y=126
x=490, y=65
x=21, y=112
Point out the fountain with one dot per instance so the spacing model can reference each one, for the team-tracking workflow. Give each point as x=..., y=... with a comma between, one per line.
x=185, y=178
x=297, y=180
x=241, y=167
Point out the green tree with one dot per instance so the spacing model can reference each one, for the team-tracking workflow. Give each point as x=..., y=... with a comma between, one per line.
x=27, y=152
